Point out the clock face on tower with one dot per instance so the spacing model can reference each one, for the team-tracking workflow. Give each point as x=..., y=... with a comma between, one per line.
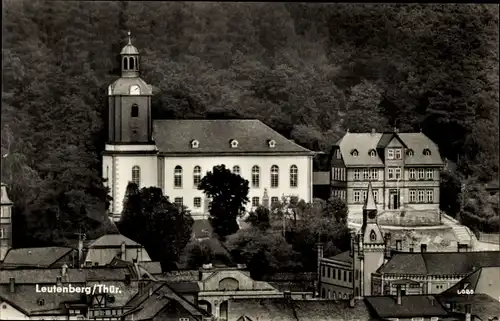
x=372, y=214
x=135, y=90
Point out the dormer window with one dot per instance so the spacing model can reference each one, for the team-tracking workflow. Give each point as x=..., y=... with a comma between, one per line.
x=410, y=153
x=354, y=153
x=195, y=143
x=427, y=152
x=372, y=153
x=234, y=143
x=272, y=143
x=41, y=302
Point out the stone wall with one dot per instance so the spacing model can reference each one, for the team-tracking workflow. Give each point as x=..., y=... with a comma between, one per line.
x=409, y=218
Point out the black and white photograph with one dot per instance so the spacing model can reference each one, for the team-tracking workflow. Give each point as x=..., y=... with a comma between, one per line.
x=249, y=161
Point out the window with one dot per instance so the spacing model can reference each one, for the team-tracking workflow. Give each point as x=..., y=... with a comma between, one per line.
x=429, y=174
x=413, y=196
x=423, y=247
x=372, y=153
x=1, y=233
x=178, y=176
x=375, y=196
x=197, y=202
x=356, y=174
x=131, y=62
x=334, y=273
x=354, y=153
x=390, y=173
x=364, y=193
x=338, y=154
x=178, y=201
x=272, y=143
x=345, y=276
x=373, y=236
x=413, y=173
x=430, y=196
x=339, y=275
x=410, y=152
x=350, y=276
x=294, y=176
x=324, y=271
x=135, y=111
x=183, y=319
x=417, y=319
x=323, y=293
x=234, y=143
x=274, y=176
x=274, y=201
x=125, y=63
x=196, y=176
x=366, y=174
x=136, y=175
x=421, y=196
x=390, y=153
x=397, y=153
x=328, y=275
x=255, y=201
x=374, y=174
x=357, y=274
x=397, y=173
x=399, y=245
x=255, y=176
x=329, y=294
x=421, y=173
x=195, y=144
x=236, y=170
x=427, y=152
x=41, y=302
x=357, y=197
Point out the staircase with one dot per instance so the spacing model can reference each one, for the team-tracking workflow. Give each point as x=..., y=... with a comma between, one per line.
x=463, y=235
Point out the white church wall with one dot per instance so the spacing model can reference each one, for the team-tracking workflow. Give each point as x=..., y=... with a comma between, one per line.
x=188, y=191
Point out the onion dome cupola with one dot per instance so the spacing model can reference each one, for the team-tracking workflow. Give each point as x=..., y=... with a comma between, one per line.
x=130, y=60
x=130, y=83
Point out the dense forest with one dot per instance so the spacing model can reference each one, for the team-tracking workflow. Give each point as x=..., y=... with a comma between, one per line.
x=310, y=71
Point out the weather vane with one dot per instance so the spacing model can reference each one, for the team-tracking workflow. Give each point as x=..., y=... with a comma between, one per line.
x=129, y=41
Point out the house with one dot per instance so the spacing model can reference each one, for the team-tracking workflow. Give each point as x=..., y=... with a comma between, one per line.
x=103, y=250
x=174, y=155
x=403, y=169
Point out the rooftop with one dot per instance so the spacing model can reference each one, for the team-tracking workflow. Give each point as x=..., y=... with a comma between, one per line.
x=35, y=256
x=214, y=136
x=411, y=306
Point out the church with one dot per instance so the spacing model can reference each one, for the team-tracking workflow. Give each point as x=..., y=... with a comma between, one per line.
x=174, y=155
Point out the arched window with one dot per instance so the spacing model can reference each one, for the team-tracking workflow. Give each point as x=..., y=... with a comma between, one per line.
x=196, y=176
x=274, y=176
x=255, y=176
x=131, y=61
x=135, y=111
x=427, y=152
x=334, y=296
x=125, y=63
x=372, y=153
x=410, y=152
x=373, y=236
x=323, y=293
x=354, y=153
x=329, y=294
x=294, y=177
x=136, y=175
x=236, y=170
x=178, y=176
x=228, y=284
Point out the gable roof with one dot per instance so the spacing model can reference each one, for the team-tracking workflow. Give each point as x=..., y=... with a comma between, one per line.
x=411, y=306
x=175, y=137
x=482, y=305
x=440, y=263
x=342, y=257
x=35, y=256
x=113, y=240
x=484, y=280
x=364, y=142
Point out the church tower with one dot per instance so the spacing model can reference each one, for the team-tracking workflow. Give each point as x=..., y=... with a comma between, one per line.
x=130, y=153
x=368, y=248
x=5, y=223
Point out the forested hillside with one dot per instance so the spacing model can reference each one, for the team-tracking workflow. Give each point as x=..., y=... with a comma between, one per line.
x=311, y=71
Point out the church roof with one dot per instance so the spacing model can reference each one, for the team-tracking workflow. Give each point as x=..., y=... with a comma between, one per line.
x=214, y=137
x=121, y=86
x=370, y=200
x=129, y=49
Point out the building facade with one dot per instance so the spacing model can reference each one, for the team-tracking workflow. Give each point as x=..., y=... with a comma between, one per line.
x=5, y=223
x=176, y=154
x=403, y=169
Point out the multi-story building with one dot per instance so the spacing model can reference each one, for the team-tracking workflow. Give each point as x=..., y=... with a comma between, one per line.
x=403, y=169
x=5, y=223
x=176, y=154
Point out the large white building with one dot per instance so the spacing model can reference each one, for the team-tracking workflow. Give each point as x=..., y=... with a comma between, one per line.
x=175, y=154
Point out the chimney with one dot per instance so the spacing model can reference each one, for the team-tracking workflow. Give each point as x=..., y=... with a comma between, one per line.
x=468, y=314
x=122, y=252
x=396, y=130
x=318, y=269
x=373, y=131
x=12, y=283
x=398, y=295
x=80, y=252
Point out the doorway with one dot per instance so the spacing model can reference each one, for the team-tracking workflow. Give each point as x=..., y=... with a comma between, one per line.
x=394, y=199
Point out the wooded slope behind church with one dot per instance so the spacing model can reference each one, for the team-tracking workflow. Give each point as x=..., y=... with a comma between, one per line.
x=175, y=154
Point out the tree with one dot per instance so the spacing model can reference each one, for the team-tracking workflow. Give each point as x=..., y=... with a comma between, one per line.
x=228, y=192
x=450, y=193
x=259, y=218
x=199, y=253
x=337, y=208
x=263, y=252
x=151, y=220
